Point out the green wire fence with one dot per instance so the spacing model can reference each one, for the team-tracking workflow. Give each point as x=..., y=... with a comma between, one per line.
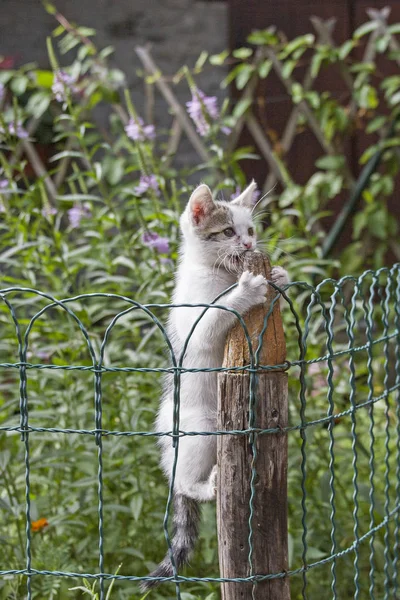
x=343, y=341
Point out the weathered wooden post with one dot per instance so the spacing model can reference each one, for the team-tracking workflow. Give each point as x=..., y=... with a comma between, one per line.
x=269, y=522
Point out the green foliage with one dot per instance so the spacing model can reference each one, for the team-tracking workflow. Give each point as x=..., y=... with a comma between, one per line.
x=44, y=245
x=370, y=110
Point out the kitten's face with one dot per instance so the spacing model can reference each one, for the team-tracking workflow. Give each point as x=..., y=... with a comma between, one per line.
x=221, y=231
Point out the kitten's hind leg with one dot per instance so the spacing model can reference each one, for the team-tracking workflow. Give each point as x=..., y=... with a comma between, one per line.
x=203, y=490
x=196, y=471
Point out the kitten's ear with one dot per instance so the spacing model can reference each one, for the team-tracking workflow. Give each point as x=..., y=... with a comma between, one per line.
x=201, y=204
x=246, y=197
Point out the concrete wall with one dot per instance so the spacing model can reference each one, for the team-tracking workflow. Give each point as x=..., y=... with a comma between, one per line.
x=178, y=31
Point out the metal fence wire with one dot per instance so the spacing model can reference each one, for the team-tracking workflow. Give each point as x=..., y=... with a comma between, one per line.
x=343, y=340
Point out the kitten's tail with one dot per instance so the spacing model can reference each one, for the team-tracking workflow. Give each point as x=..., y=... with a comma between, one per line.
x=186, y=529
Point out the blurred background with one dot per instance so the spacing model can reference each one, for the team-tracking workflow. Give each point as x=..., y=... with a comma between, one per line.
x=178, y=31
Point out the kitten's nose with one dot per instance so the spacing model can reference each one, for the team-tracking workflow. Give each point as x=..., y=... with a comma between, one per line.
x=247, y=245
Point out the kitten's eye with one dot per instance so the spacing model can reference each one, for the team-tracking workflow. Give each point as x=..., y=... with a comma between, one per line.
x=251, y=231
x=229, y=232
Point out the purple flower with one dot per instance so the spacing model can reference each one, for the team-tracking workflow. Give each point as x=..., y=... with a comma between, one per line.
x=226, y=130
x=2, y=91
x=147, y=182
x=3, y=184
x=43, y=354
x=139, y=132
x=62, y=82
x=238, y=191
x=168, y=262
x=76, y=213
x=47, y=211
x=153, y=240
x=18, y=130
x=201, y=107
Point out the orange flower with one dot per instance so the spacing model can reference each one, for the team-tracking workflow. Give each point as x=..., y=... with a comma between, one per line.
x=39, y=524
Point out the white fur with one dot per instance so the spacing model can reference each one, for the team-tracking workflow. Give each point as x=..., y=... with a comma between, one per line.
x=205, y=270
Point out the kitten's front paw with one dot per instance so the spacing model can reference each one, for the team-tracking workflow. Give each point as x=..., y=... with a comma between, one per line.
x=253, y=288
x=279, y=276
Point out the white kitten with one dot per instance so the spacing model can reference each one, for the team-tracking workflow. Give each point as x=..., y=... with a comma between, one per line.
x=215, y=236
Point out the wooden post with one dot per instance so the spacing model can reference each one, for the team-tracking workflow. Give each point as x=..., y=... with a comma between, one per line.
x=269, y=522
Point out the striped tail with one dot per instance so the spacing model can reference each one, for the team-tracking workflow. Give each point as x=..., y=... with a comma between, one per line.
x=186, y=529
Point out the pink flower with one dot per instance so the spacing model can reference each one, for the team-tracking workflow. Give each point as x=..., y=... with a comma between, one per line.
x=7, y=62
x=201, y=109
x=147, y=182
x=139, y=132
x=153, y=240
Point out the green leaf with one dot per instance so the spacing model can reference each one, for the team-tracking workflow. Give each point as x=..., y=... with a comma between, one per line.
x=44, y=78
x=6, y=76
x=241, y=107
x=231, y=75
x=243, y=152
x=298, y=42
x=359, y=223
x=334, y=162
x=265, y=68
x=219, y=59
x=49, y=7
x=264, y=37
x=316, y=63
x=242, y=53
x=290, y=196
x=108, y=596
x=201, y=61
x=86, y=31
x=4, y=459
x=115, y=172
x=315, y=554
x=38, y=104
x=377, y=223
x=297, y=93
x=136, y=506
x=287, y=68
x=19, y=84
x=97, y=97
x=244, y=75
x=367, y=97
x=365, y=28
x=66, y=154
x=395, y=99
x=78, y=198
x=382, y=43
x=125, y=261
x=345, y=49
x=369, y=153
x=376, y=124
